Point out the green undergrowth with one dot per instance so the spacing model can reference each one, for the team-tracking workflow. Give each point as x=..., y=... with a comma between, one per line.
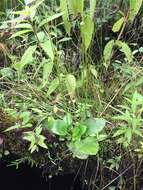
x=71, y=88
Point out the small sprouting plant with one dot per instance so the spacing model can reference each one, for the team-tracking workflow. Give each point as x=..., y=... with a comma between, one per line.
x=130, y=120
x=36, y=139
x=114, y=162
x=24, y=121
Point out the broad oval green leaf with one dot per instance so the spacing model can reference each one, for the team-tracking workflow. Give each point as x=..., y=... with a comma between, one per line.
x=78, y=131
x=85, y=147
x=59, y=127
x=95, y=126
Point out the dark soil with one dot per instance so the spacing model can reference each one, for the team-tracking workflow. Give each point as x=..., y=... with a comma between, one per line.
x=25, y=178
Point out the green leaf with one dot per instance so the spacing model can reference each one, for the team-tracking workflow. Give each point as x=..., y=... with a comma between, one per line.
x=124, y=117
x=92, y=8
x=93, y=71
x=119, y=132
x=47, y=46
x=17, y=126
x=27, y=58
x=20, y=33
x=107, y=54
x=128, y=134
x=50, y=18
x=139, y=82
x=29, y=136
x=134, y=84
x=25, y=116
x=54, y=84
x=87, y=146
x=127, y=51
x=59, y=127
x=64, y=9
x=78, y=131
x=135, y=6
x=117, y=26
x=70, y=81
x=41, y=37
x=87, y=30
x=68, y=120
x=76, y=7
x=38, y=130
x=47, y=69
x=42, y=144
x=23, y=25
x=7, y=72
x=137, y=99
x=94, y=126
x=33, y=148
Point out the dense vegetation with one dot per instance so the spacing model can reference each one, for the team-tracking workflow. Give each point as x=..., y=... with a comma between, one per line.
x=71, y=76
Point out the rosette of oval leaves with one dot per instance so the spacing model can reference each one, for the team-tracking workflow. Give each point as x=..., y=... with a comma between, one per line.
x=82, y=137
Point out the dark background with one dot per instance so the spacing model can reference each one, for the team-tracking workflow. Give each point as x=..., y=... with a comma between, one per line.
x=26, y=178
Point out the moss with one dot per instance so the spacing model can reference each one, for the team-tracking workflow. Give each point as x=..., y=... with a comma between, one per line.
x=5, y=121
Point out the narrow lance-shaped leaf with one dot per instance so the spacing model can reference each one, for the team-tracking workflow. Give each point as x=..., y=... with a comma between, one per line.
x=20, y=33
x=92, y=7
x=64, y=9
x=108, y=52
x=23, y=25
x=49, y=19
